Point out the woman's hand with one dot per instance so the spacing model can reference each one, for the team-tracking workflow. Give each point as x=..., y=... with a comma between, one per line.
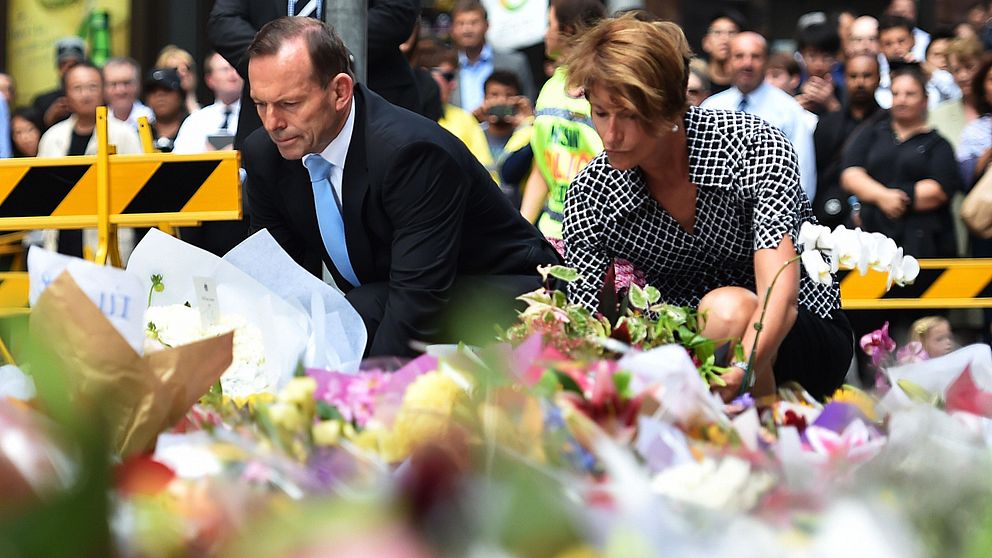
x=982, y=164
x=734, y=376
x=892, y=202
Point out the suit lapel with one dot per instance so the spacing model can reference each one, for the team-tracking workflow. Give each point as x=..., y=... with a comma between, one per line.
x=355, y=187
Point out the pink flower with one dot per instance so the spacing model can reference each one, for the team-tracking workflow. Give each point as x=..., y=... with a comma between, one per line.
x=878, y=345
x=912, y=352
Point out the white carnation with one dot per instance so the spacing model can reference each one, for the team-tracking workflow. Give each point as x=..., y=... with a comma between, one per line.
x=178, y=324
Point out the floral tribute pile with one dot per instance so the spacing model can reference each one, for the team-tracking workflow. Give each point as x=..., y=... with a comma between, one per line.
x=572, y=436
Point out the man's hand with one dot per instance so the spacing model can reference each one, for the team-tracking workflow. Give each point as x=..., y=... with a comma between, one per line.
x=818, y=93
x=58, y=111
x=893, y=202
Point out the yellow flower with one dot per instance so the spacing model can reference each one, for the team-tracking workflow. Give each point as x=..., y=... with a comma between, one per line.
x=287, y=416
x=854, y=396
x=425, y=414
x=300, y=391
x=326, y=432
x=252, y=401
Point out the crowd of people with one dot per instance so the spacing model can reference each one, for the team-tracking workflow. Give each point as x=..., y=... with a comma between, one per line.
x=868, y=121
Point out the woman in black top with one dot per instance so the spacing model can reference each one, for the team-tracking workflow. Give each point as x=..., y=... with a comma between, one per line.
x=707, y=203
x=904, y=174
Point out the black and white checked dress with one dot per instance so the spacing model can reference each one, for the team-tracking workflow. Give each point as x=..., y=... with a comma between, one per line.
x=748, y=198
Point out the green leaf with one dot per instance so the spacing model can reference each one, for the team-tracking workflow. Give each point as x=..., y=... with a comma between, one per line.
x=566, y=274
x=326, y=411
x=535, y=297
x=558, y=299
x=621, y=381
x=567, y=383
x=638, y=299
x=548, y=385
x=653, y=294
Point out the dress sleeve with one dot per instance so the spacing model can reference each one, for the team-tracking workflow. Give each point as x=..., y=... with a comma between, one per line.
x=770, y=173
x=975, y=139
x=943, y=167
x=582, y=234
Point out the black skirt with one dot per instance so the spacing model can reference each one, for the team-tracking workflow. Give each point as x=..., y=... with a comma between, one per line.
x=816, y=353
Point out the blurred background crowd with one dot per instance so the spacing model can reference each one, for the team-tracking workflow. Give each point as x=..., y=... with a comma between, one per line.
x=888, y=103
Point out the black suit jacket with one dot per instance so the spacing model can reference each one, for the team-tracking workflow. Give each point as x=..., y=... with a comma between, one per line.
x=234, y=23
x=418, y=211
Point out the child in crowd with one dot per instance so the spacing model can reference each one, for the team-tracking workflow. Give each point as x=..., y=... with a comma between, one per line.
x=934, y=334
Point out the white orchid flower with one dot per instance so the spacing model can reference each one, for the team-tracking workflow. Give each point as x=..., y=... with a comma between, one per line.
x=909, y=269
x=816, y=267
x=895, y=270
x=886, y=253
x=814, y=237
x=848, y=252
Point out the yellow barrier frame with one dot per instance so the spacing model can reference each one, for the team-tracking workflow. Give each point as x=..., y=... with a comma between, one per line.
x=214, y=200
x=964, y=283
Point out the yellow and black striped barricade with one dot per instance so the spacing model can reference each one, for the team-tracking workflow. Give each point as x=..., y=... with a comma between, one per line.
x=107, y=190
x=942, y=283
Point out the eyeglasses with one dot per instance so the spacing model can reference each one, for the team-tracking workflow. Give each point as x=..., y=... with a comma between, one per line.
x=448, y=76
x=116, y=84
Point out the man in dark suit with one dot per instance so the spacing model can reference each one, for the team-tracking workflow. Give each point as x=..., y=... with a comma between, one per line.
x=398, y=210
x=233, y=24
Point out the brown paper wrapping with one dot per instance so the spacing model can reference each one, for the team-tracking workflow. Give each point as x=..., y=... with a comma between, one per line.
x=139, y=396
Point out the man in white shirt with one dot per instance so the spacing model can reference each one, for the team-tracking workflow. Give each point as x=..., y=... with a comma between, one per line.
x=121, y=91
x=750, y=93
x=216, y=121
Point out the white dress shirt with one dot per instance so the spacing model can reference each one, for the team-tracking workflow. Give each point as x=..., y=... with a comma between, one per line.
x=779, y=109
x=337, y=152
x=137, y=111
x=207, y=121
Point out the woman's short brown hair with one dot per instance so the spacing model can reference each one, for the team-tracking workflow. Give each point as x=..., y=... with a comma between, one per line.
x=643, y=66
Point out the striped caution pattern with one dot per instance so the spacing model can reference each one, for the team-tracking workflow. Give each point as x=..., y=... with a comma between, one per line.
x=948, y=283
x=145, y=190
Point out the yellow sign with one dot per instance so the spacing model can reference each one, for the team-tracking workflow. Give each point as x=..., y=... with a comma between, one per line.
x=33, y=27
x=949, y=283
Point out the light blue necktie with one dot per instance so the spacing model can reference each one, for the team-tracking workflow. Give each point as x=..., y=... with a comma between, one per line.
x=329, y=216
x=742, y=106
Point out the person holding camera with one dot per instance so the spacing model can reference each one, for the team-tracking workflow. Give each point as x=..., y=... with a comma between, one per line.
x=506, y=118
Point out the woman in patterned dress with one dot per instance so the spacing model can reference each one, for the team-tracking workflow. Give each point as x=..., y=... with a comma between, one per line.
x=706, y=202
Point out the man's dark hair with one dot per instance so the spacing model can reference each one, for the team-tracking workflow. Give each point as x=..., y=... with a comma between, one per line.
x=982, y=104
x=328, y=55
x=432, y=52
x=874, y=59
x=820, y=37
x=889, y=21
x=574, y=15
x=943, y=32
x=732, y=15
x=503, y=77
x=462, y=6
x=783, y=61
x=81, y=64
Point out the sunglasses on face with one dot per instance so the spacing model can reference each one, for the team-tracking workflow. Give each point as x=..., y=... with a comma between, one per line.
x=448, y=76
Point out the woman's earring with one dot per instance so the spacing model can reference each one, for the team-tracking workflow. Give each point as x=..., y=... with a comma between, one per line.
x=675, y=128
